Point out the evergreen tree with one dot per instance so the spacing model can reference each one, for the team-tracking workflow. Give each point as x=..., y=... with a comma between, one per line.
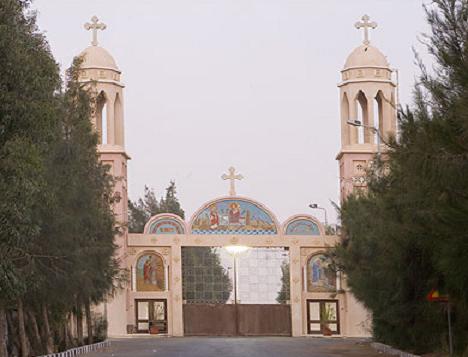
x=285, y=292
x=140, y=211
x=409, y=233
x=29, y=78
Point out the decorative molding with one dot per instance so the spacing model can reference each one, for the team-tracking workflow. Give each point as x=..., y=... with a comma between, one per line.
x=176, y=240
x=234, y=240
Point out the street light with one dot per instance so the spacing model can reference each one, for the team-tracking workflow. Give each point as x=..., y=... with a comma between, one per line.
x=358, y=123
x=316, y=206
x=235, y=251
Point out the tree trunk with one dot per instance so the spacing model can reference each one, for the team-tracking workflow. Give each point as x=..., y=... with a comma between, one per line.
x=89, y=323
x=3, y=332
x=22, y=330
x=65, y=335
x=49, y=342
x=79, y=324
x=36, y=333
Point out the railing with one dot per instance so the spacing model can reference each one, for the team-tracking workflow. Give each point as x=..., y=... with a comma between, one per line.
x=80, y=350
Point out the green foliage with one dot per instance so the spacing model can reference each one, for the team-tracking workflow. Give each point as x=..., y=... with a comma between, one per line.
x=140, y=211
x=284, y=294
x=409, y=232
x=204, y=279
x=56, y=224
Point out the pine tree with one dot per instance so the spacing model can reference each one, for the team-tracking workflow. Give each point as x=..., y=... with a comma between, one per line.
x=409, y=233
x=144, y=208
x=29, y=78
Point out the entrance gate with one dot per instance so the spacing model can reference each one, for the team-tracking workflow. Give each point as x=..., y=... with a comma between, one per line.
x=232, y=296
x=237, y=320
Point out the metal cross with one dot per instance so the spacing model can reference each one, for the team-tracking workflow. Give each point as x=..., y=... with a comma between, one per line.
x=365, y=24
x=94, y=26
x=232, y=177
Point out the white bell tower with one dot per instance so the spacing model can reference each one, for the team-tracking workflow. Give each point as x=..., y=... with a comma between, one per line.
x=102, y=76
x=368, y=110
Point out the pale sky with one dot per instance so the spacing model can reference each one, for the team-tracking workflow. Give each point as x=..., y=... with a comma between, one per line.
x=247, y=83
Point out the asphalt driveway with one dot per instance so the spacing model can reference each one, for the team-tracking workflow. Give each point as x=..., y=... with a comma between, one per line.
x=237, y=347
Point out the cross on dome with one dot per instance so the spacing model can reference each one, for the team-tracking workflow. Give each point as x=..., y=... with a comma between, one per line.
x=365, y=24
x=95, y=25
x=232, y=177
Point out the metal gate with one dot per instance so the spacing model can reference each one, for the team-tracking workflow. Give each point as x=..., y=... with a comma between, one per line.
x=237, y=320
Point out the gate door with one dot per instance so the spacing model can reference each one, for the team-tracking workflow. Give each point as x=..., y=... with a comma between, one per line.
x=236, y=296
x=151, y=316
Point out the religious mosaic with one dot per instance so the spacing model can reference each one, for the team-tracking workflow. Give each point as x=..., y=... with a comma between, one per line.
x=150, y=273
x=302, y=227
x=233, y=216
x=166, y=225
x=320, y=276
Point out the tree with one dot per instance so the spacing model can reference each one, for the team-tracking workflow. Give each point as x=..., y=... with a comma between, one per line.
x=284, y=295
x=144, y=208
x=29, y=78
x=409, y=232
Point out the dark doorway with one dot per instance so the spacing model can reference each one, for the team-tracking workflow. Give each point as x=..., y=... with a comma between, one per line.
x=323, y=315
x=151, y=316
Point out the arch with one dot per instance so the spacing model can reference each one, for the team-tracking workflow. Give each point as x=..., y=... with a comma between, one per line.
x=379, y=100
x=101, y=117
x=150, y=272
x=118, y=121
x=363, y=116
x=233, y=215
x=320, y=276
x=345, y=118
x=303, y=225
x=165, y=223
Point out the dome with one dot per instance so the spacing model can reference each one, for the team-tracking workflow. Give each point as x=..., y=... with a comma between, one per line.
x=366, y=56
x=97, y=57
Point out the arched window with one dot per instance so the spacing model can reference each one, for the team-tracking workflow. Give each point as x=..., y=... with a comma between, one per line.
x=378, y=114
x=150, y=274
x=118, y=125
x=345, y=118
x=362, y=116
x=320, y=276
x=101, y=118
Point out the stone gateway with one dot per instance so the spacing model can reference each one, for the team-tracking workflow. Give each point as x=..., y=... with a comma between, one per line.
x=233, y=269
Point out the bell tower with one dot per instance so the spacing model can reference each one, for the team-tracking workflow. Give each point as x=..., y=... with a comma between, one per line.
x=368, y=110
x=100, y=73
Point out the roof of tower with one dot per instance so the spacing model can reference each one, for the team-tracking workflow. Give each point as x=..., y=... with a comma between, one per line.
x=366, y=56
x=98, y=57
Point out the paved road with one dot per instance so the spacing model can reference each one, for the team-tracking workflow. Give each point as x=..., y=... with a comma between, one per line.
x=237, y=347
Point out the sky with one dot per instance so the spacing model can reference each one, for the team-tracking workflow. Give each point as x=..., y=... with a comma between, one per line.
x=244, y=83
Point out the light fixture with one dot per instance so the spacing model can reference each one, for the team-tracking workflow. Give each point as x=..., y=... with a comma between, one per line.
x=354, y=122
x=236, y=250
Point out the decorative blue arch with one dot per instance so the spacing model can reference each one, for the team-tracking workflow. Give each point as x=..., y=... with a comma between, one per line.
x=165, y=224
x=233, y=216
x=303, y=226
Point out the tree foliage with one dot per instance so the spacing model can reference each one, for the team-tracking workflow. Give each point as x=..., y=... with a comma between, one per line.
x=56, y=224
x=140, y=211
x=409, y=232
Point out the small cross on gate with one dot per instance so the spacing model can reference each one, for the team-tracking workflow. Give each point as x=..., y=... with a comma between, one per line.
x=232, y=177
x=365, y=24
x=94, y=26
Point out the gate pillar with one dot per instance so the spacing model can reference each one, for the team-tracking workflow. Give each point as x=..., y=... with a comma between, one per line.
x=176, y=291
x=296, y=291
